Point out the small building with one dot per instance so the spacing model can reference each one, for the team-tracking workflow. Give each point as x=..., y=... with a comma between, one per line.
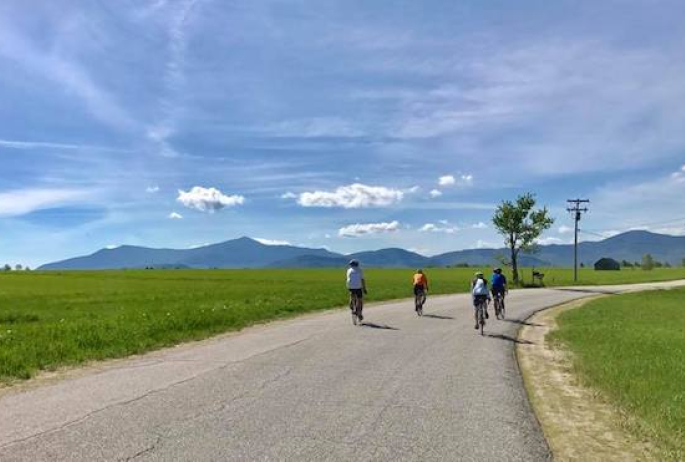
x=607, y=264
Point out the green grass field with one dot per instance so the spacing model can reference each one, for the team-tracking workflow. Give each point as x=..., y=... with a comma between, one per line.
x=632, y=348
x=52, y=319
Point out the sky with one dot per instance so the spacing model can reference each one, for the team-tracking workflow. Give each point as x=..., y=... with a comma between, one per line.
x=350, y=125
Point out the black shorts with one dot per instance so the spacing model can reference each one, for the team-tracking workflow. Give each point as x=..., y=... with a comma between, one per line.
x=359, y=293
x=498, y=291
x=478, y=299
x=419, y=290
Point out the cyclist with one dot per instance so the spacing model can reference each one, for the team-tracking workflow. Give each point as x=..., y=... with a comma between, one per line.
x=356, y=284
x=480, y=293
x=420, y=289
x=498, y=283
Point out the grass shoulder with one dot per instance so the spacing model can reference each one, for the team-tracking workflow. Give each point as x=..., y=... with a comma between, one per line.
x=631, y=348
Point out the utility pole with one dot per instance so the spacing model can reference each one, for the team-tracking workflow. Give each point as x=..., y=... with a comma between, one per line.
x=577, y=210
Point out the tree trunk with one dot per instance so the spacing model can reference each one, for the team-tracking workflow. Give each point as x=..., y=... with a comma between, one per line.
x=514, y=266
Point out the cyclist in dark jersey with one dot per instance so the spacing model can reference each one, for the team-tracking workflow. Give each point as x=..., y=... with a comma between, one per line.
x=498, y=283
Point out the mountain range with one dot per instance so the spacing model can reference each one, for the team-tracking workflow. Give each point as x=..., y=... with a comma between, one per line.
x=249, y=253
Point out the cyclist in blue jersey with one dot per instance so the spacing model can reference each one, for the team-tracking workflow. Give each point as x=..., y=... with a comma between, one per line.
x=498, y=284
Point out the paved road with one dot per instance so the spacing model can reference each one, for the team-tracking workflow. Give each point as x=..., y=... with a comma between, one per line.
x=314, y=388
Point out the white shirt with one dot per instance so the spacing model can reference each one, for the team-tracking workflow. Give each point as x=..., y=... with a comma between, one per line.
x=480, y=287
x=354, y=278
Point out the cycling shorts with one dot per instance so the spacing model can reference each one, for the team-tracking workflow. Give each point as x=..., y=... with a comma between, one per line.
x=498, y=290
x=359, y=293
x=478, y=299
x=419, y=290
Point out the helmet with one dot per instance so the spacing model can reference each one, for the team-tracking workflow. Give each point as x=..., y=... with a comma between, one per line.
x=419, y=271
x=497, y=270
x=479, y=274
x=354, y=263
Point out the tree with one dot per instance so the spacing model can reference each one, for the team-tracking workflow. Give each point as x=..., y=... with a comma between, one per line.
x=626, y=264
x=667, y=265
x=18, y=267
x=521, y=226
x=647, y=262
x=7, y=267
x=683, y=262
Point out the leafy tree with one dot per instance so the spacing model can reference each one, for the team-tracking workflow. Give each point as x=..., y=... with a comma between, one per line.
x=18, y=267
x=520, y=225
x=683, y=262
x=7, y=267
x=626, y=264
x=667, y=265
x=647, y=262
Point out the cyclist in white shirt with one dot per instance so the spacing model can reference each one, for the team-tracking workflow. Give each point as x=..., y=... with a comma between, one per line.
x=356, y=284
x=480, y=293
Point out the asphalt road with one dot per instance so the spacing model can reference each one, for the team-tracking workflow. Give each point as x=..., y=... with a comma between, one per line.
x=313, y=388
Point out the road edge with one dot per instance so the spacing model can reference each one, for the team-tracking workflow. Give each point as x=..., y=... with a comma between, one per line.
x=587, y=427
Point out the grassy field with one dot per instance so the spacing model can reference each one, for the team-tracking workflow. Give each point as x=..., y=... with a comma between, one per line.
x=52, y=319
x=632, y=348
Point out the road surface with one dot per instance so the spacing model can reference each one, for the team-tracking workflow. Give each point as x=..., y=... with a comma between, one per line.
x=313, y=388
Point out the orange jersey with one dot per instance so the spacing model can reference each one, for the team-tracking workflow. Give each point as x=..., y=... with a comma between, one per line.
x=420, y=280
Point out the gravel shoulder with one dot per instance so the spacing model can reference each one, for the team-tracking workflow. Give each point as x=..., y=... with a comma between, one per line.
x=577, y=423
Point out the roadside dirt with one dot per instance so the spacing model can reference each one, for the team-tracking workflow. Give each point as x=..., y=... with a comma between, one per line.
x=577, y=423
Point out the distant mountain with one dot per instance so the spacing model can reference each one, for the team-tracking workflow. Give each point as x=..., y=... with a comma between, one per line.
x=630, y=246
x=248, y=253
x=397, y=258
x=236, y=253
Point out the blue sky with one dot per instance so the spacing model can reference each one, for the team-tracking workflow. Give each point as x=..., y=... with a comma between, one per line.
x=342, y=124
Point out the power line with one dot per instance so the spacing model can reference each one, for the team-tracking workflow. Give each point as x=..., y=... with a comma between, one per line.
x=577, y=210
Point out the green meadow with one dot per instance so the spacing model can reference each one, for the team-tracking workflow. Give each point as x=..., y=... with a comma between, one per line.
x=54, y=319
x=632, y=348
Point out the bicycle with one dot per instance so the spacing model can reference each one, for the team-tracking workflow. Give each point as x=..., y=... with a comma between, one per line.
x=419, y=301
x=356, y=309
x=498, y=300
x=481, y=306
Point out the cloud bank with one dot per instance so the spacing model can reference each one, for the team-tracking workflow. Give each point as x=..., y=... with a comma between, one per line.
x=364, y=229
x=353, y=196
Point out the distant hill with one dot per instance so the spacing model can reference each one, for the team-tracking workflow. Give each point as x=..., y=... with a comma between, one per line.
x=248, y=253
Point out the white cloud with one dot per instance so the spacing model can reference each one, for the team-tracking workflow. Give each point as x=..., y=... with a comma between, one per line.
x=208, y=199
x=435, y=193
x=565, y=229
x=679, y=176
x=480, y=244
x=362, y=229
x=413, y=189
x=465, y=179
x=352, y=196
x=271, y=241
x=23, y=201
x=433, y=228
x=112, y=246
x=175, y=216
x=447, y=180
x=549, y=241
x=288, y=195
x=152, y=189
x=479, y=225
x=197, y=246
